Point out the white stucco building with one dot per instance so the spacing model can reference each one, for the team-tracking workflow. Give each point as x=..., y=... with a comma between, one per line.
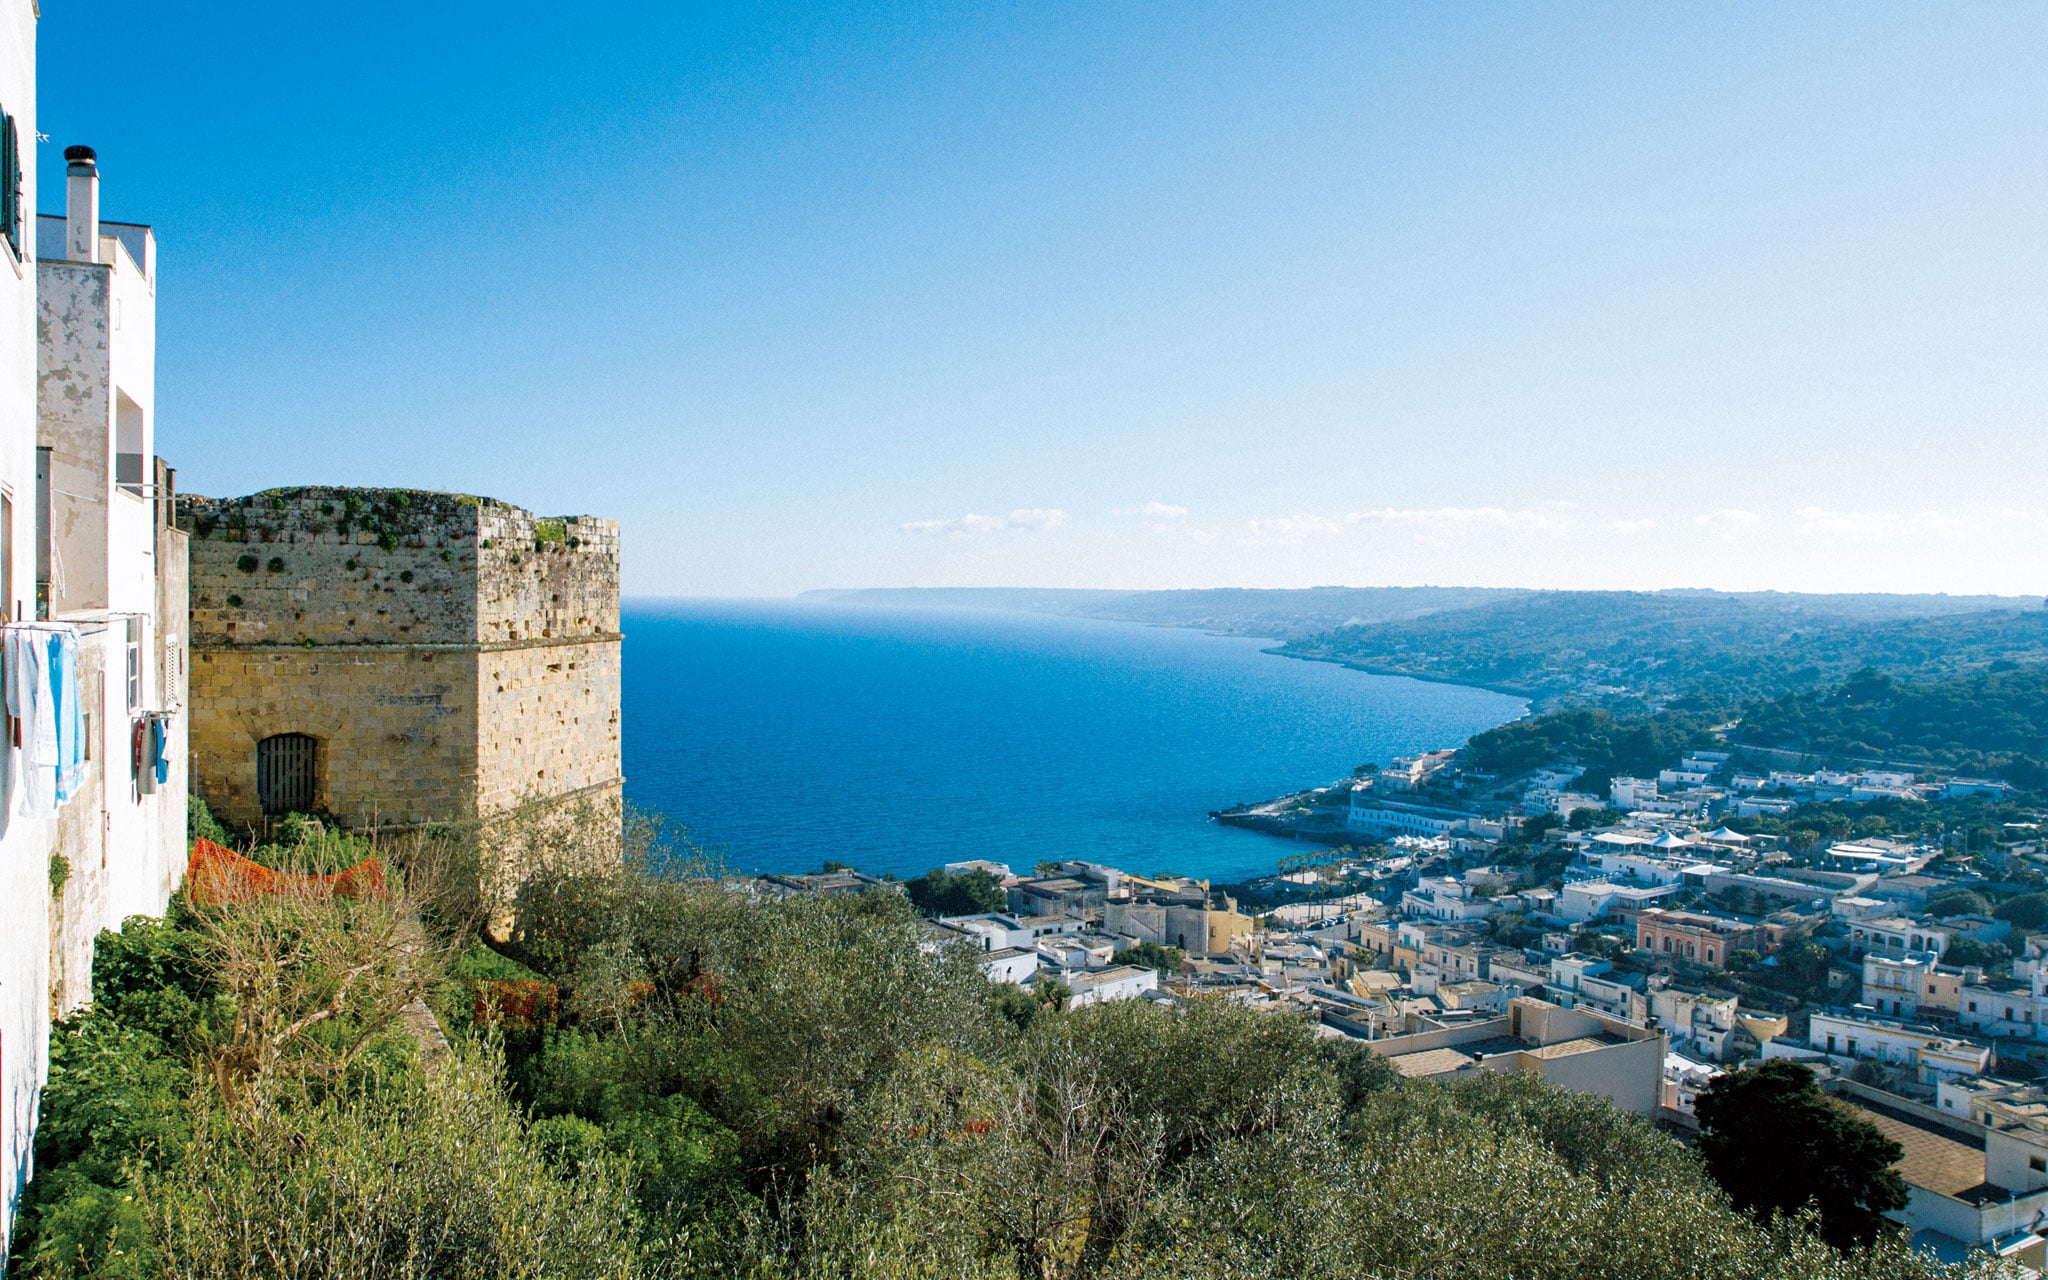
x=1124, y=982
x=1375, y=816
x=1446, y=898
x=1010, y=964
x=24, y=843
x=111, y=564
x=90, y=558
x=1591, y=899
x=1931, y=1053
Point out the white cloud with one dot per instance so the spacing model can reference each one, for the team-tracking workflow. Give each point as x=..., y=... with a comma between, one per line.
x=1289, y=530
x=1631, y=526
x=1425, y=523
x=1154, y=511
x=1159, y=517
x=971, y=524
x=1874, y=526
x=1549, y=516
x=1037, y=518
x=1727, y=519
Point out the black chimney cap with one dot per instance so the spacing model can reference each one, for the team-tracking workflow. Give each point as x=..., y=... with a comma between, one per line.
x=80, y=153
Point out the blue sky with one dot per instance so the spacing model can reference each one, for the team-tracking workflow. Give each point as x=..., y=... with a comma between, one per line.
x=1741, y=296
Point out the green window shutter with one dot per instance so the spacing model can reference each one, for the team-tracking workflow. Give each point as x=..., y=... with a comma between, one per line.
x=10, y=175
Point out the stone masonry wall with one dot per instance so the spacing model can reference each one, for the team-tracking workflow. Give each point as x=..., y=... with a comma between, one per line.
x=397, y=729
x=546, y=578
x=455, y=657
x=551, y=717
x=333, y=566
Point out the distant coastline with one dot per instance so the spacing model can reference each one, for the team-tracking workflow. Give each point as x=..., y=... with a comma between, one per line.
x=900, y=740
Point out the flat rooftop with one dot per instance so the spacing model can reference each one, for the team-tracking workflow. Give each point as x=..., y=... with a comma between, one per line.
x=1936, y=1159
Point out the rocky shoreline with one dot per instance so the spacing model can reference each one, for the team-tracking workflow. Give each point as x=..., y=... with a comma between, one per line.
x=1316, y=815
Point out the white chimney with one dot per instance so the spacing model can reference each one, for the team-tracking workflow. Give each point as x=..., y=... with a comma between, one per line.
x=82, y=205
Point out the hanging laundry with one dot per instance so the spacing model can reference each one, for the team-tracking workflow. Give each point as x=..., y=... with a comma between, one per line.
x=28, y=701
x=152, y=751
x=41, y=661
x=70, y=712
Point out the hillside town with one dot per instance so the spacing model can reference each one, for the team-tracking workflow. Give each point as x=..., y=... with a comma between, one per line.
x=1638, y=959
x=186, y=673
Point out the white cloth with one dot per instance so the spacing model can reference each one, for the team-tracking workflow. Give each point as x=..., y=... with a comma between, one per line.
x=34, y=700
x=28, y=701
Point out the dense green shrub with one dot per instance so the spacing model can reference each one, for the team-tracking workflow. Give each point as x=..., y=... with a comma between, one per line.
x=415, y=1176
x=735, y=1085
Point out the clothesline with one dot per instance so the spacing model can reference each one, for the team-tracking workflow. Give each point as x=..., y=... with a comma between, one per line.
x=93, y=628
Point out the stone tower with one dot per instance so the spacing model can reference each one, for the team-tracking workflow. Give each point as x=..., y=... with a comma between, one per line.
x=394, y=658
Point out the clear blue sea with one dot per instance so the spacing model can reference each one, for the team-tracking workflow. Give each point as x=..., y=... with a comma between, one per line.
x=783, y=735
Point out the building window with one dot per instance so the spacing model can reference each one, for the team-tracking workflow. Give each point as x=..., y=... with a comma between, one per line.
x=45, y=561
x=10, y=182
x=286, y=769
x=2038, y=1164
x=7, y=610
x=134, y=664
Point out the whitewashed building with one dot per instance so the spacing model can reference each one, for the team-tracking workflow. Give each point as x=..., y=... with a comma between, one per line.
x=24, y=843
x=1581, y=981
x=1378, y=817
x=1592, y=899
x=109, y=563
x=1899, y=935
x=1449, y=899
x=1928, y=1051
x=1701, y=1020
x=1010, y=964
x=1124, y=982
x=91, y=568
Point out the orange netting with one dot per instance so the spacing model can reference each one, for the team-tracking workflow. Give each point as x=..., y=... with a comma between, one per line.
x=216, y=875
x=516, y=1002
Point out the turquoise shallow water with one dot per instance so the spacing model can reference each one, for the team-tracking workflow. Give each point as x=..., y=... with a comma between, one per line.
x=783, y=735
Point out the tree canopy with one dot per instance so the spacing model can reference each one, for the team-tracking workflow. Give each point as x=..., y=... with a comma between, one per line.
x=1150, y=955
x=1603, y=744
x=1992, y=720
x=1776, y=1144
x=941, y=893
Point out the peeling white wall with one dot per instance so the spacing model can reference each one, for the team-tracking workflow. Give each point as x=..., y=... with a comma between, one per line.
x=89, y=334
x=76, y=411
x=24, y=845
